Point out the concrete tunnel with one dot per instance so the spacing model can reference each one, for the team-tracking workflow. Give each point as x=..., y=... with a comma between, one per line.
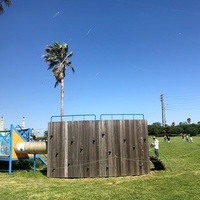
x=31, y=147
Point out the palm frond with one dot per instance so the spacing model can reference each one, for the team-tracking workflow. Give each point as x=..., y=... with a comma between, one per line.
x=1, y=9
x=7, y=2
x=57, y=45
x=65, y=46
x=56, y=83
x=50, y=58
x=52, y=64
x=73, y=70
x=69, y=55
x=68, y=63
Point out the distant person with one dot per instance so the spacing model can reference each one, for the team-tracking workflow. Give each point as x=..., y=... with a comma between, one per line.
x=155, y=144
x=168, y=138
x=191, y=139
x=183, y=136
x=186, y=138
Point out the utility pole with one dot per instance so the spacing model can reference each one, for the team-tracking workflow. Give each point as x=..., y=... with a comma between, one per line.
x=163, y=110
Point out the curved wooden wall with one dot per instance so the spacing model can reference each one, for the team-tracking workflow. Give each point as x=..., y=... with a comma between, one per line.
x=99, y=148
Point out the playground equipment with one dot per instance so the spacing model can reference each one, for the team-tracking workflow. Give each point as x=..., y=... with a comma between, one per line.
x=15, y=144
x=85, y=148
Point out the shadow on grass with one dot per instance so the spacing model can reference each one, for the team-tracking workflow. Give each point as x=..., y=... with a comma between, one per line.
x=22, y=165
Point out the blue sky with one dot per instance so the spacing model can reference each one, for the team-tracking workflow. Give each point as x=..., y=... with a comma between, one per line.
x=126, y=54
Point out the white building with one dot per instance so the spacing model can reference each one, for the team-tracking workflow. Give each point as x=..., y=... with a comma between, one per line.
x=2, y=124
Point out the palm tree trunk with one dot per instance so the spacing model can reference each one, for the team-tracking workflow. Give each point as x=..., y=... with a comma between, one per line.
x=62, y=100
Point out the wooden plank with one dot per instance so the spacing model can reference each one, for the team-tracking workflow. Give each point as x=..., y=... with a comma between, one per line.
x=131, y=146
x=86, y=134
x=59, y=150
x=56, y=154
x=145, y=147
x=52, y=138
x=64, y=139
x=79, y=149
x=140, y=145
x=96, y=163
x=124, y=147
x=135, y=148
x=52, y=143
x=103, y=162
x=113, y=162
x=110, y=155
x=117, y=147
x=127, y=142
x=90, y=148
x=93, y=149
x=71, y=148
x=76, y=158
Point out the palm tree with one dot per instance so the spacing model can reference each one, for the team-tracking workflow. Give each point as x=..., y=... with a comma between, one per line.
x=57, y=57
x=7, y=2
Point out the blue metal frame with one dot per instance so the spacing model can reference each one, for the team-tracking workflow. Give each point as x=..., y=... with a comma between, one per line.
x=34, y=163
x=72, y=116
x=122, y=115
x=101, y=116
x=24, y=133
x=10, y=149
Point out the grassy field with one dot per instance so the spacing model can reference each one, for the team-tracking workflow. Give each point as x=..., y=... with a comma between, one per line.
x=181, y=180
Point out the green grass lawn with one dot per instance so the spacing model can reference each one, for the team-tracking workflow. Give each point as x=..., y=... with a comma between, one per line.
x=181, y=180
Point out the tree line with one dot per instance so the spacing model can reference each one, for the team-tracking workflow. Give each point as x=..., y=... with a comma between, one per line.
x=158, y=130
x=173, y=130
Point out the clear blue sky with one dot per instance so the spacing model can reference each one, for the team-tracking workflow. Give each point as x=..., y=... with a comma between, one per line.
x=126, y=53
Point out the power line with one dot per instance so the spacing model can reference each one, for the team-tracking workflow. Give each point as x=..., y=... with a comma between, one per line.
x=185, y=100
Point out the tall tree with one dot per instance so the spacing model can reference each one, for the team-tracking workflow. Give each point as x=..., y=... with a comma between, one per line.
x=7, y=3
x=188, y=120
x=173, y=123
x=57, y=56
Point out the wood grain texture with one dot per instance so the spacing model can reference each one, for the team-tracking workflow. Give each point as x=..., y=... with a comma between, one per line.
x=101, y=148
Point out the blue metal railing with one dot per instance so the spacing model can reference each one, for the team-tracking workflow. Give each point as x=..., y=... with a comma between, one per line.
x=25, y=134
x=5, y=137
x=111, y=116
x=122, y=116
x=83, y=117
